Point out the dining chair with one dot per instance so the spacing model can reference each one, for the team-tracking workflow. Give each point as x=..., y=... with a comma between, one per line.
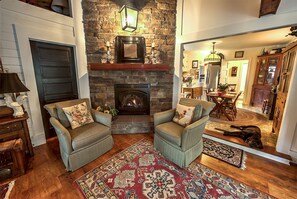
x=230, y=106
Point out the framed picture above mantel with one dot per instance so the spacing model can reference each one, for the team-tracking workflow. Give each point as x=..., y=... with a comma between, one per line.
x=129, y=49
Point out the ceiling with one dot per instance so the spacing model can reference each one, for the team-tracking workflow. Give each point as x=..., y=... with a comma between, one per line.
x=275, y=37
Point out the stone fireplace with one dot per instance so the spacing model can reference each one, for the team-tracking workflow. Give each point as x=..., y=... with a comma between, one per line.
x=156, y=23
x=132, y=99
x=103, y=83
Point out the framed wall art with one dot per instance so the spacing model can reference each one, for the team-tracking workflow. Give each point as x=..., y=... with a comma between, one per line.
x=195, y=64
x=239, y=54
x=129, y=49
x=234, y=71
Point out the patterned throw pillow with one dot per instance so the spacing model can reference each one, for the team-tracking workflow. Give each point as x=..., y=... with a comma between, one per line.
x=78, y=115
x=183, y=114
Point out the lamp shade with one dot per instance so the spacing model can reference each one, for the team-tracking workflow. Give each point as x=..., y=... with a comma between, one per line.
x=129, y=17
x=11, y=83
x=59, y=6
x=213, y=56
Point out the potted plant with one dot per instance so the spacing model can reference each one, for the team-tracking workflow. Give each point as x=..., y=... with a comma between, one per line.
x=222, y=87
x=108, y=110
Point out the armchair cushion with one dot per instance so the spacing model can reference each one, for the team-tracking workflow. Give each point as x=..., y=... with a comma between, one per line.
x=183, y=114
x=171, y=132
x=206, y=107
x=197, y=113
x=78, y=115
x=60, y=113
x=91, y=133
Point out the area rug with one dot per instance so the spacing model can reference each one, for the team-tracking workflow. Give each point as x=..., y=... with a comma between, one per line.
x=141, y=172
x=5, y=190
x=229, y=154
x=245, y=117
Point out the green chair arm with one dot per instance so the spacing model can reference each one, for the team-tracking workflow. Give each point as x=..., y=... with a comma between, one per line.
x=102, y=118
x=63, y=135
x=192, y=134
x=162, y=117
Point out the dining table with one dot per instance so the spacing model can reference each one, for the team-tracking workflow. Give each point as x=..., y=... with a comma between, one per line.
x=220, y=99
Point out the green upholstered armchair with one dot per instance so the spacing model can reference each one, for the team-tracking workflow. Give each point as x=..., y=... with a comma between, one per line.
x=177, y=143
x=81, y=145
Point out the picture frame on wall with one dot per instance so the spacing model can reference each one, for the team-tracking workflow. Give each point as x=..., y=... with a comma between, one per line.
x=239, y=54
x=234, y=71
x=129, y=49
x=195, y=64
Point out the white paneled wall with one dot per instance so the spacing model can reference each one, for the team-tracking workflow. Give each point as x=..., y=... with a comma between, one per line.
x=20, y=23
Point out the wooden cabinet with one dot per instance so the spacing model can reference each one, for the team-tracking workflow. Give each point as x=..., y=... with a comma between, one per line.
x=13, y=128
x=196, y=92
x=267, y=72
x=289, y=56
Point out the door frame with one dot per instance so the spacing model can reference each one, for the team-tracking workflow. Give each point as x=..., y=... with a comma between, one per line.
x=48, y=35
x=239, y=72
x=35, y=45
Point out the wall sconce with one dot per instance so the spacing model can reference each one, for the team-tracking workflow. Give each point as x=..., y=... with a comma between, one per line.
x=129, y=17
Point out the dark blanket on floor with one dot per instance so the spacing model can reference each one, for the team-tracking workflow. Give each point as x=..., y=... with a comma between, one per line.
x=249, y=133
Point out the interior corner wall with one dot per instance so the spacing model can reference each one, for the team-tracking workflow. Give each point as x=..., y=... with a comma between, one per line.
x=21, y=22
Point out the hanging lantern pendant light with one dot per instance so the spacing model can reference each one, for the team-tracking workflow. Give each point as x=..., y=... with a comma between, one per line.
x=213, y=56
x=129, y=17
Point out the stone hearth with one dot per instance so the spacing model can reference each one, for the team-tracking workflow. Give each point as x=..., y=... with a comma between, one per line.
x=127, y=124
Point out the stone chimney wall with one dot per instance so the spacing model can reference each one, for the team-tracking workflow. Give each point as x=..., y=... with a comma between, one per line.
x=156, y=23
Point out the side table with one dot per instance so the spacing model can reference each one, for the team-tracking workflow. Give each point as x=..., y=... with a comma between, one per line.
x=13, y=128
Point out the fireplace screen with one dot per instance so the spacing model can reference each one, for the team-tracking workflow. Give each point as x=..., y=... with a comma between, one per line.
x=132, y=99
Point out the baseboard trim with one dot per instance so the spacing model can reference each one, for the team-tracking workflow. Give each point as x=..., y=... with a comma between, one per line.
x=38, y=140
x=250, y=150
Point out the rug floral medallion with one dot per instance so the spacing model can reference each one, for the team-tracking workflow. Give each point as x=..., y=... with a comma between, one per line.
x=141, y=172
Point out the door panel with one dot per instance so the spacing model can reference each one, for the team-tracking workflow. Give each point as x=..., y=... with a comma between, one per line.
x=55, y=77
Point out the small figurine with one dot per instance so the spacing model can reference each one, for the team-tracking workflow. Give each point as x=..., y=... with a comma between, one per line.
x=16, y=106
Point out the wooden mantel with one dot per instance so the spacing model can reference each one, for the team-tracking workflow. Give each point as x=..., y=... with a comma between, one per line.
x=125, y=66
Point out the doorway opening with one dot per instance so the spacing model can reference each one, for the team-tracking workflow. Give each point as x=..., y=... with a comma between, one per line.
x=237, y=72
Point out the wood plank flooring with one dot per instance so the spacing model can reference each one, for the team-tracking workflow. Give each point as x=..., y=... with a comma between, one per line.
x=47, y=177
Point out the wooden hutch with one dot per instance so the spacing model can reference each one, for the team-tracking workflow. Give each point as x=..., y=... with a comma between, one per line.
x=289, y=62
x=266, y=78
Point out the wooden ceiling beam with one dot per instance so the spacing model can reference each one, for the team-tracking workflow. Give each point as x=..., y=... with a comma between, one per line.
x=268, y=7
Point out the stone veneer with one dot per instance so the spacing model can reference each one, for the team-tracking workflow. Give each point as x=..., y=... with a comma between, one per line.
x=156, y=23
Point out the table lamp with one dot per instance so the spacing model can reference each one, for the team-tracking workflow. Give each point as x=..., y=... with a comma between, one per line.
x=10, y=86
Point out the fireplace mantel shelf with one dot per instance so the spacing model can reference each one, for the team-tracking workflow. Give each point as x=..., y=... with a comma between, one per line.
x=125, y=66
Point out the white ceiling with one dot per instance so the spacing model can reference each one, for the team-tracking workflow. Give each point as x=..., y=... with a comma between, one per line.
x=275, y=37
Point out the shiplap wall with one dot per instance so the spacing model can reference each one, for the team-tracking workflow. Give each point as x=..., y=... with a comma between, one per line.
x=21, y=22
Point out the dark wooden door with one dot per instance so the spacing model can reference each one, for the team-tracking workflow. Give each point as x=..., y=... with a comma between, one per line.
x=55, y=77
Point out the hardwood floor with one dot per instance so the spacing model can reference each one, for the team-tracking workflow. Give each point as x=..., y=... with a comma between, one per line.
x=47, y=177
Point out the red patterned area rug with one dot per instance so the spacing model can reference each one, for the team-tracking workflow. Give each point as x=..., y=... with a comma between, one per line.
x=5, y=190
x=141, y=172
x=226, y=153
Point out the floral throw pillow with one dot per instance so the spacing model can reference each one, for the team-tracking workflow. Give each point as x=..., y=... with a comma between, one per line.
x=78, y=115
x=183, y=115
